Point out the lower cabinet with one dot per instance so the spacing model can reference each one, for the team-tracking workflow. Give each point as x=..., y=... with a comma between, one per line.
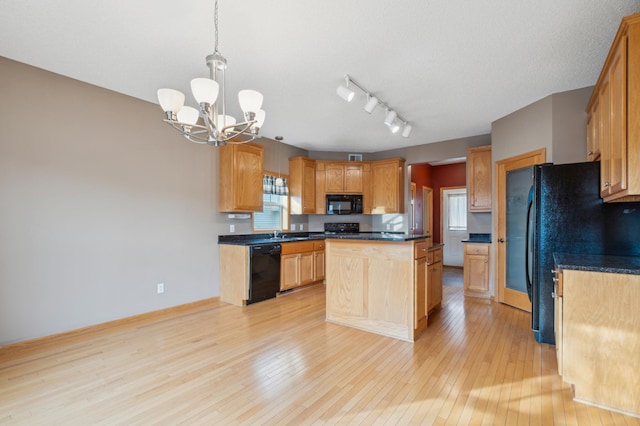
x=597, y=327
x=427, y=278
x=476, y=270
x=301, y=263
x=434, y=279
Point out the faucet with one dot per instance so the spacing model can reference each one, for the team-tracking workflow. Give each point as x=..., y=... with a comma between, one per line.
x=275, y=234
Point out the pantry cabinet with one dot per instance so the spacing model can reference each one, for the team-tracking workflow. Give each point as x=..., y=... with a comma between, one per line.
x=434, y=278
x=613, y=127
x=240, y=178
x=479, y=179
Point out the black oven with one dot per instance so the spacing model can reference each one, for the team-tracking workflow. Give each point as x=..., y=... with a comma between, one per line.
x=344, y=204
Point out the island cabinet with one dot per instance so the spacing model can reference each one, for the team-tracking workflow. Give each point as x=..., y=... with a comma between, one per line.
x=377, y=286
x=302, y=185
x=301, y=263
x=434, y=278
x=479, y=179
x=613, y=128
x=597, y=326
x=387, y=186
x=240, y=179
x=476, y=270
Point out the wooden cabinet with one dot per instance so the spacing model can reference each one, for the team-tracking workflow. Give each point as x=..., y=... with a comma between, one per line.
x=302, y=185
x=593, y=132
x=479, y=179
x=234, y=274
x=434, y=278
x=557, y=316
x=598, y=337
x=318, y=261
x=420, y=285
x=301, y=263
x=387, y=186
x=613, y=110
x=240, y=178
x=476, y=270
x=343, y=178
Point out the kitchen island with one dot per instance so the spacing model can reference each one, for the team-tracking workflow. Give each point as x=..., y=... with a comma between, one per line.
x=380, y=283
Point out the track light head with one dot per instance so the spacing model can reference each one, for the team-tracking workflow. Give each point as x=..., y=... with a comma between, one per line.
x=372, y=103
x=391, y=116
x=345, y=93
x=407, y=130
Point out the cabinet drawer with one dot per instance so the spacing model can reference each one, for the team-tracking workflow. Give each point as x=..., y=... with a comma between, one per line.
x=437, y=255
x=480, y=249
x=297, y=247
x=318, y=245
x=420, y=249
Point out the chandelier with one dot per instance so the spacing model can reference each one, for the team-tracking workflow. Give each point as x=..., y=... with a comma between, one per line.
x=215, y=127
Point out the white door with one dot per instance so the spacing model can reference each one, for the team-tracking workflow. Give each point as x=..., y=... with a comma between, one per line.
x=454, y=225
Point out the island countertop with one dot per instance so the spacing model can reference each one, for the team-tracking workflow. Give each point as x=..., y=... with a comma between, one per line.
x=598, y=263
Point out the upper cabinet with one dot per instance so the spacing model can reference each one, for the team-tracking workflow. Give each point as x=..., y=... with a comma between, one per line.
x=342, y=177
x=302, y=185
x=240, y=180
x=479, y=178
x=613, y=128
x=387, y=186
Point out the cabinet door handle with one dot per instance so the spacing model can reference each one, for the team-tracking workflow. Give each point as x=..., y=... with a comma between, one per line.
x=606, y=184
x=501, y=240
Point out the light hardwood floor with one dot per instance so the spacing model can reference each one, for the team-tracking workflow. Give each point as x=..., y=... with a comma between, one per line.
x=279, y=362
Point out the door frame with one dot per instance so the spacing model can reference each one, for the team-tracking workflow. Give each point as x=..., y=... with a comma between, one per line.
x=427, y=210
x=505, y=295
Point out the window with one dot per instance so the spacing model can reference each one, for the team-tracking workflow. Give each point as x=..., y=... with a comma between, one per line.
x=457, y=212
x=275, y=202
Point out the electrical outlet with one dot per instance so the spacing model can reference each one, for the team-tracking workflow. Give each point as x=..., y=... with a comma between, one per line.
x=160, y=288
x=232, y=228
x=388, y=227
x=302, y=227
x=293, y=226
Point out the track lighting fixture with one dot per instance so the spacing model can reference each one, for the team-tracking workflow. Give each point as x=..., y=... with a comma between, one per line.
x=344, y=92
x=392, y=119
x=372, y=103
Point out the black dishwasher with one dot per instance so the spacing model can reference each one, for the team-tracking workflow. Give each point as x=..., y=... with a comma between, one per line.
x=265, y=272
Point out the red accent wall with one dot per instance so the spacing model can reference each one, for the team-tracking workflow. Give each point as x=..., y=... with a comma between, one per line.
x=436, y=177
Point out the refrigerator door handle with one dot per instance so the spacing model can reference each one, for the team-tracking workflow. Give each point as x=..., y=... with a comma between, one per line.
x=527, y=244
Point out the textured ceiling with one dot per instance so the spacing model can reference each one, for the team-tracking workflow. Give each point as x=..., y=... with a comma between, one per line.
x=450, y=67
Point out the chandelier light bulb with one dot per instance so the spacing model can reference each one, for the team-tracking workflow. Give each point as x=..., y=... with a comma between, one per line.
x=188, y=115
x=205, y=90
x=170, y=100
x=225, y=120
x=260, y=116
x=250, y=101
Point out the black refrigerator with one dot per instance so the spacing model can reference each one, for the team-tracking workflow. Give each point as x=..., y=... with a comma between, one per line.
x=565, y=214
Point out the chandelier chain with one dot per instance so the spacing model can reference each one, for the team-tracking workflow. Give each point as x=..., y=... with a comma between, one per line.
x=215, y=26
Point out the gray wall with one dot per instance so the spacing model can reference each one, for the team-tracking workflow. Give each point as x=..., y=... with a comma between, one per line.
x=99, y=201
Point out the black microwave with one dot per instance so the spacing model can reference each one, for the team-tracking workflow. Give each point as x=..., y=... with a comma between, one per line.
x=344, y=204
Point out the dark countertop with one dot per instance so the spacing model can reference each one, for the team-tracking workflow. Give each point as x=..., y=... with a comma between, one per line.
x=598, y=263
x=478, y=238
x=254, y=239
